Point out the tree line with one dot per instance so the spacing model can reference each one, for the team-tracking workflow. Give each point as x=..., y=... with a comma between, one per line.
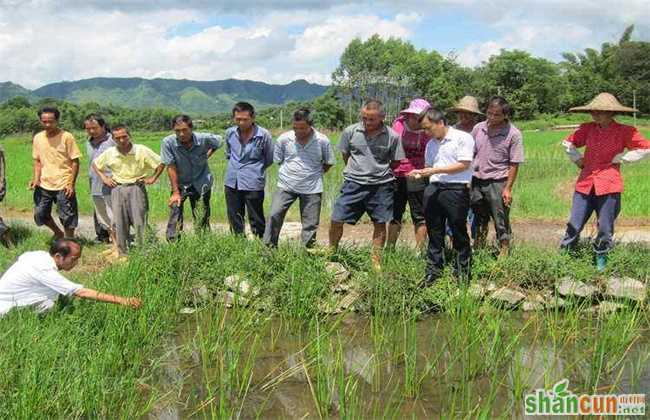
x=394, y=71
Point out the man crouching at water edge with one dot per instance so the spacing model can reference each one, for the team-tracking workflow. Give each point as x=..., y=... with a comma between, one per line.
x=447, y=160
x=34, y=280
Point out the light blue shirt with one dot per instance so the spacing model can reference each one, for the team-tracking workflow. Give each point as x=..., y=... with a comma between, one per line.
x=191, y=164
x=457, y=146
x=93, y=149
x=247, y=163
x=301, y=167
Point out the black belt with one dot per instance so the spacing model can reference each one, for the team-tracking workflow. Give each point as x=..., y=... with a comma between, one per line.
x=479, y=181
x=449, y=185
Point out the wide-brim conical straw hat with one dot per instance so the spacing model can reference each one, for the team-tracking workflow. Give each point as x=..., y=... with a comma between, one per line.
x=603, y=102
x=467, y=104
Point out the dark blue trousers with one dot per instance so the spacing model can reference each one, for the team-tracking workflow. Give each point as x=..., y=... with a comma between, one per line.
x=607, y=208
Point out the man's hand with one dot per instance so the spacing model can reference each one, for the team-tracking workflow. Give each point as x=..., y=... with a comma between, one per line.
x=175, y=199
x=68, y=190
x=506, y=195
x=148, y=180
x=33, y=184
x=415, y=173
x=132, y=302
x=109, y=182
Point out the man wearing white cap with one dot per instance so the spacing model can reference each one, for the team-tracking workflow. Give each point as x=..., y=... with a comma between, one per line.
x=600, y=184
x=409, y=190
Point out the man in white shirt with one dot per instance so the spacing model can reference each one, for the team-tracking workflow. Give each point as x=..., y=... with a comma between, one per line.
x=34, y=280
x=447, y=160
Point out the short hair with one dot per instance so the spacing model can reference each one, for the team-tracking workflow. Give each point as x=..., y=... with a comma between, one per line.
x=243, y=107
x=375, y=104
x=182, y=118
x=99, y=120
x=434, y=115
x=506, y=108
x=49, y=110
x=303, y=114
x=63, y=247
x=122, y=126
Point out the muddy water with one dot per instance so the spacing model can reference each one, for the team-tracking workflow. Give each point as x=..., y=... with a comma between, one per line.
x=356, y=367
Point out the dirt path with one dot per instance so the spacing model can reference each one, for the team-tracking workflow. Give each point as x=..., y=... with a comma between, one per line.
x=540, y=232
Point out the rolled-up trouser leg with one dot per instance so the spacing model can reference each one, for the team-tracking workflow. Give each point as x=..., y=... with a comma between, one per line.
x=582, y=207
x=280, y=203
x=310, y=205
x=608, y=207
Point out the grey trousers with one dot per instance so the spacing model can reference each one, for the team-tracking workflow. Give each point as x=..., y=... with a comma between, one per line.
x=487, y=204
x=607, y=208
x=309, y=216
x=130, y=207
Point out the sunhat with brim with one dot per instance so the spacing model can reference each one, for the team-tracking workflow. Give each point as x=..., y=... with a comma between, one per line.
x=416, y=106
x=467, y=104
x=603, y=102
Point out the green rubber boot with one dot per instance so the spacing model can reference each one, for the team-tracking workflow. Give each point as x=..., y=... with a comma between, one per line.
x=601, y=262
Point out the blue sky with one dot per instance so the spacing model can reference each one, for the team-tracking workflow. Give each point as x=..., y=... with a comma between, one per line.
x=277, y=41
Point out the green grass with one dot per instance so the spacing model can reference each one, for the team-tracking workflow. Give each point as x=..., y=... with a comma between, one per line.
x=89, y=359
x=543, y=190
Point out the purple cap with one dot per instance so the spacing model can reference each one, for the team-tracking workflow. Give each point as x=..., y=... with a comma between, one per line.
x=416, y=106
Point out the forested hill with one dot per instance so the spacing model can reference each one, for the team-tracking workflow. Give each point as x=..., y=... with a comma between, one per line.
x=196, y=97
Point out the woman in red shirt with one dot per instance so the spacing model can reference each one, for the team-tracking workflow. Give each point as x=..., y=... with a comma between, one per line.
x=414, y=141
x=600, y=184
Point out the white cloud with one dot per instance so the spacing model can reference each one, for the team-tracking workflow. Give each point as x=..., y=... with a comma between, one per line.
x=280, y=40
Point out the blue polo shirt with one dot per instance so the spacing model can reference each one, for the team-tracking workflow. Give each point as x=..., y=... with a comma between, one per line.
x=191, y=164
x=247, y=163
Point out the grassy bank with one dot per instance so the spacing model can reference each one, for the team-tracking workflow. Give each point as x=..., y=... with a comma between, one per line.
x=543, y=190
x=88, y=359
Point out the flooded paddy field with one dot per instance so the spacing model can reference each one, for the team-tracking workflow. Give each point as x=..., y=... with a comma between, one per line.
x=229, y=329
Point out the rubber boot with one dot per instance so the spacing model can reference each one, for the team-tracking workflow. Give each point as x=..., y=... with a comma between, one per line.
x=601, y=262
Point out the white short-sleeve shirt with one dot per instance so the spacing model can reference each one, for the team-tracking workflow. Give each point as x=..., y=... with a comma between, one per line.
x=457, y=146
x=33, y=280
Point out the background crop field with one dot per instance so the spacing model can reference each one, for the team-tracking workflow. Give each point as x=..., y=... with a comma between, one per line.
x=543, y=190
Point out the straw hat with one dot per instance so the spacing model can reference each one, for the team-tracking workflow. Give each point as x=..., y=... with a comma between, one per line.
x=603, y=102
x=467, y=104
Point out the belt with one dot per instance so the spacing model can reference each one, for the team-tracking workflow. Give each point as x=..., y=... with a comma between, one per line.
x=479, y=181
x=449, y=185
x=128, y=184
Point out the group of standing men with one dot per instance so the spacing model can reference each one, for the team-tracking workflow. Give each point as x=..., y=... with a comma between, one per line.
x=448, y=175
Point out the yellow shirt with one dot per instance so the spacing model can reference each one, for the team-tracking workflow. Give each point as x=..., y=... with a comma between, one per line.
x=56, y=155
x=129, y=168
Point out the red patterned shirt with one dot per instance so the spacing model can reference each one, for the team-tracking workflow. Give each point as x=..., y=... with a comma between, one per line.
x=414, y=143
x=601, y=145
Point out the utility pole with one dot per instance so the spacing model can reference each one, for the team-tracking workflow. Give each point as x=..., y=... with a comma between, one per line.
x=281, y=119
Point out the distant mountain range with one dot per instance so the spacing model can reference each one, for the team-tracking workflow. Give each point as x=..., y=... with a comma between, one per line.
x=191, y=96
